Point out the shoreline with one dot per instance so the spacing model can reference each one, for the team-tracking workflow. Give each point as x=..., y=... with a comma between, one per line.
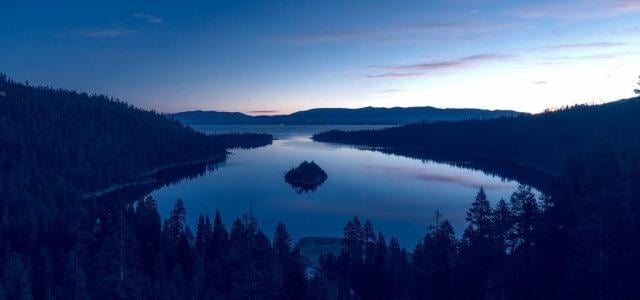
x=143, y=176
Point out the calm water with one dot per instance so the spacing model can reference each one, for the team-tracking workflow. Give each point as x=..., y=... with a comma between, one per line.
x=398, y=194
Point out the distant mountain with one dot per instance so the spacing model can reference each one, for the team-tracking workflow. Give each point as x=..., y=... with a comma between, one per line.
x=345, y=116
x=543, y=140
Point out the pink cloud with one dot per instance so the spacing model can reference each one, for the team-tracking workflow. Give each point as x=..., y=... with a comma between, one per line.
x=579, y=10
x=349, y=35
x=579, y=46
x=397, y=75
x=413, y=70
x=628, y=6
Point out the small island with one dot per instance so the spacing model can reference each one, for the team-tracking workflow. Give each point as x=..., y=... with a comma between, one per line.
x=306, y=177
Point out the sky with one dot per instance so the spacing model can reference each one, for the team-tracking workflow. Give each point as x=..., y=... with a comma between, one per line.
x=274, y=57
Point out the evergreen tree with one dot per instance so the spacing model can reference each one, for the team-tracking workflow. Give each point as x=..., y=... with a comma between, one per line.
x=352, y=241
x=433, y=262
x=368, y=236
x=174, y=225
x=203, y=234
x=282, y=250
x=216, y=259
x=350, y=261
x=479, y=251
x=282, y=244
x=524, y=276
x=396, y=271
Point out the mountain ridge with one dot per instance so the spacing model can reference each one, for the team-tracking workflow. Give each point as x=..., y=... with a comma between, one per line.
x=344, y=116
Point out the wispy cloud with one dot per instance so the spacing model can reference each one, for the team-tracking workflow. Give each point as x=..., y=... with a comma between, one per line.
x=421, y=69
x=263, y=112
x=594, y=56
x=388, y=91
x=358, y=34
x=148, y=18
x=579, y=10
x=628, y=6
x=394, y=75
x=539, y=82
x=453, y=64
x=578, y=46
x=100, y=33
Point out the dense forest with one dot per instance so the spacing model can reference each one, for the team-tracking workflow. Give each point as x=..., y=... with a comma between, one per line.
x=579, y=241
x=58, y=145
x=542, y=141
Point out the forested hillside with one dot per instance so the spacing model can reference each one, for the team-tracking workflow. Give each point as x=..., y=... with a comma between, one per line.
x=544, y=140
x=56, y=145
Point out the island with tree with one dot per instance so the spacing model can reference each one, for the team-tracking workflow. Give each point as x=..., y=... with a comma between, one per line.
x=306, y=177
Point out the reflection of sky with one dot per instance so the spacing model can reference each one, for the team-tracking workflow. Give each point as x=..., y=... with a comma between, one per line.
x=271, y=57
x=398, y=194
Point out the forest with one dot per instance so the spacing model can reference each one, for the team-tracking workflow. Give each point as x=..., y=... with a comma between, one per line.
x=542, y=141
x=56, y=145
x=580, y=240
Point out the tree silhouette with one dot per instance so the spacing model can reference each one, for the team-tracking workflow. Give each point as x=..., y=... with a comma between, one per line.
x=637, y=91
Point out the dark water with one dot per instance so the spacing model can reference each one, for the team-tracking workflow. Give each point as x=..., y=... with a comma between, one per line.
x=397, y=193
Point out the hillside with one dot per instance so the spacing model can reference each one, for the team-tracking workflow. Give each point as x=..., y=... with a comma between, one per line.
x=543, y=140
x=58, y=145
x=344, y=116
x=88, y=141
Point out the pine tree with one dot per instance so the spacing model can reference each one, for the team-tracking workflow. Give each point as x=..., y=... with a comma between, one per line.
x=525, y=211
x=282, y=251
x=282, y=244
x=524, y=276
x=637, y=91
x=396, y=271
x=479, y=251
x=203, y=234
x=174, y=225
x=479, y=215
x=368, y=236
x=148, y=232
x=352, y=241
x=220, y=237
x=433, y=262
x=217, y=271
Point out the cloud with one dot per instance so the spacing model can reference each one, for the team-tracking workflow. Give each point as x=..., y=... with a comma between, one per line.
x=594, y=56
x=101, y=33
x=540, y=82
x=578, y=46
x=148, y=18
x=628, y=6
x=454, y=64
x=579, y=10
x=391, y=91
x=263, y=111
x=349, y=35
x=420, y=69
x=397, y=75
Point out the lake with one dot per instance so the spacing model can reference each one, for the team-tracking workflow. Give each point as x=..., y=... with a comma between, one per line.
x=398, y=194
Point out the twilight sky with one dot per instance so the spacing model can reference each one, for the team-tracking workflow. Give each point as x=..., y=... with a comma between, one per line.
x=260, y=56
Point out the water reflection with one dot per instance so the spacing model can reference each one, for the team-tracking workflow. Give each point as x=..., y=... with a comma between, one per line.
x=398, y=191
